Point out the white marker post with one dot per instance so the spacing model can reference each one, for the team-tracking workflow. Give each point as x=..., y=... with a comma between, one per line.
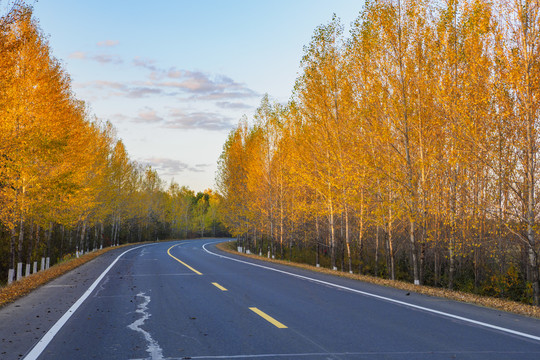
x=19, y=271
x=10, y=276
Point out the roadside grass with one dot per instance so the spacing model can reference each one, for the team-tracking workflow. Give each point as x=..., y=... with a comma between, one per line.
x=20, y=288
x=490, y=302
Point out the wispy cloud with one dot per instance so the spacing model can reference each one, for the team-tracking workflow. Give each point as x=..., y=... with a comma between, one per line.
x=178, y=119
x=120, y=117
x=145, y=63
x=196, y=88
x=148, y=115
x=107, y=58
x=101, y=85
x=199, y=84
x=120, y=89
x=202, y=166
x=196, y=83
x=226, y=95
x=100, y=58
x=108, y=43
x=232, y=105
x=77, y=55
x=139, y=92
x=169, y=167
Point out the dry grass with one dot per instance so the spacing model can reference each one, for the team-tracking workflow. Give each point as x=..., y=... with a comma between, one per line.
x=494, y=303
x=24, y=286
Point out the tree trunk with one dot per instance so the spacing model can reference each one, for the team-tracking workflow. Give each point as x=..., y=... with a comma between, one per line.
x=317, y=263
x=390, y=245
x=332, y=236
x=49, y=235
x=62, y=240
x=413, y=253
x=21, y=240
x=347, y=239
x=83, y=236
x=281, y=222
x=377, y=252
x=12, y=241
x=531, y=201
x=31, y=244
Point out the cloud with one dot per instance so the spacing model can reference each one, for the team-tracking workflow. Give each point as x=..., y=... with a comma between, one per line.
x=232, y=105
x=100, y=58
x=170, y=166
x=178, y=119
x=195, y=88
x=148, y=115
x=107, y=58
x=77, y=55
x=199, y=84
x=228, y=95
x=202, y=165
x=120, y=117
x=108, y=43
x=120, y=89
x=192, y=85
x=145, y=63
x=101, y=84
x=139, y=92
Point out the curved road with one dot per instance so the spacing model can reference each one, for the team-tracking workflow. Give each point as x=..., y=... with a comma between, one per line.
x=188, y=300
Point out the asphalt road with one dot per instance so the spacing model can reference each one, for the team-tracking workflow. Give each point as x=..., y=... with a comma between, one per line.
x=188, y=300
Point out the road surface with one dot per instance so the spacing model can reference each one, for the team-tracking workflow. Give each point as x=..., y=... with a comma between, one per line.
x=188, y=300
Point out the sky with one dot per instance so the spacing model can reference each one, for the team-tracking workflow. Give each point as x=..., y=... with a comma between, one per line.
x=174, y=77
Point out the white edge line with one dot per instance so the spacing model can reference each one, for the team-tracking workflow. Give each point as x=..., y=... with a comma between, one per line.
x=47, y=338
x=442, y=313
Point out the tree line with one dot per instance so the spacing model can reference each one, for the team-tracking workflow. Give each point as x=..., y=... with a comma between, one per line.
x=408, y=149
x=67, y=184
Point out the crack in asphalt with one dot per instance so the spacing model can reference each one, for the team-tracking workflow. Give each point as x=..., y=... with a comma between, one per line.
x=153, y=348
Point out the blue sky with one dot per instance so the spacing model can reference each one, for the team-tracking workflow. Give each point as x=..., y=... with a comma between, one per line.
x=175, y=76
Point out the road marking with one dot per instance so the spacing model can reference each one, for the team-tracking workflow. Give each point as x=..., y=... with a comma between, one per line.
x=47, y=338
x=433, y=311
x=268, y=318
x=219, y=286
x=180, y=261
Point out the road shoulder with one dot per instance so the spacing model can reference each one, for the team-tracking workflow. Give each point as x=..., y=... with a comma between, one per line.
x=24, y=321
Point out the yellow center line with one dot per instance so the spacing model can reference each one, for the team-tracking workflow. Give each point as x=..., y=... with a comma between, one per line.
x=181, y=262
x=268, y=318
x=219, y=286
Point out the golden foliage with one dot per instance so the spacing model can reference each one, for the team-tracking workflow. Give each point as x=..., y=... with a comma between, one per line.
x=66, y=181
x=415, y=138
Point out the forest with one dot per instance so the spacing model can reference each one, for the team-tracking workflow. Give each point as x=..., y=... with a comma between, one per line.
x=67, y=184
x=408, y=150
